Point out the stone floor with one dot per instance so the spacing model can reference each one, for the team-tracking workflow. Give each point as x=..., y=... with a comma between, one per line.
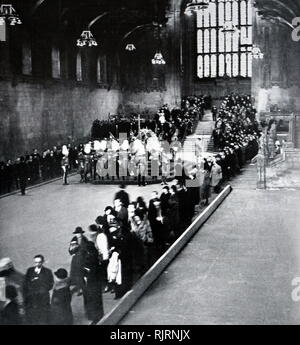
x=237, y=270
x=42, y=222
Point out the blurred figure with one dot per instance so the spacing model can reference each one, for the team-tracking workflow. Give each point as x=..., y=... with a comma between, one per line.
x=61, y=310
x=123, y=195
x=22, y=173
x=10, y=277
x=10, y=314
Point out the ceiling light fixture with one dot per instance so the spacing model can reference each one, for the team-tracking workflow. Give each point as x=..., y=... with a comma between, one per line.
x=158, y=59
x=196, y=6
x=8, y=14
x=257, y=53
x=229, y=27
x=86, y=38
x=130, y=47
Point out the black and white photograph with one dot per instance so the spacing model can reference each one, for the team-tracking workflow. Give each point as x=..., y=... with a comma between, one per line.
x=149, y=165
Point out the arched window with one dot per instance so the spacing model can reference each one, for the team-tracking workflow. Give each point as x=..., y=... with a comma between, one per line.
x=56, y=68
x=101, y=69
x=226, y=53
x=79, y=67
x=26, y=59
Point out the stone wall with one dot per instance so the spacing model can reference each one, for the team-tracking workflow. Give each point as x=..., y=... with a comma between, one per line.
x=147, y=87
x=45, y=114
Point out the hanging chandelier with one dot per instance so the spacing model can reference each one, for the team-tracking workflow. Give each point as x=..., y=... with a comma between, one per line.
x=130, y=47
x=8, y=14
x=196, y=6
x=86, y=38
x=256, y=53
x=229, y=27
x=158, y=59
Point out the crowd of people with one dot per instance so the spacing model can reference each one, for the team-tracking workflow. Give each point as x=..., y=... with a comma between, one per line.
x=91, y=160
x=236, y=133
x=108, y=257
x=130, y=235
x=146, y=153
x=164, y=123
x=34, y=168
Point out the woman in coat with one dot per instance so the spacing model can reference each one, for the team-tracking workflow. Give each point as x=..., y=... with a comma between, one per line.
x=61, y=310
x=216, y=177
x=78, y=249
x=206, y=186
x=174, y=212
x=143, y=239
x=92, y=292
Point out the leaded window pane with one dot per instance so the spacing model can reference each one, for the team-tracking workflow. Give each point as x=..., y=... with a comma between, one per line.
x=249, y=12
x=221, y=65
x=206, y=41
x=221, y=41
x=235, y=65
x=206, y=66
x=235, y=42
x=200, y=66
x=221, y=14
x=212, y=42
x=213, y=14
x=235, y=13
x=244, y=65
x=200, y=41
x=228, y=10
x=243, y=13
x=228, y=65
x=206, y=19
x=199, y=20
x=249, y=65
x=213, y=64
x=228, y=36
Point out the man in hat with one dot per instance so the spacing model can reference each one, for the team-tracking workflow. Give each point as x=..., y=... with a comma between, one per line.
x=123, y=195
x=102, y=246
x=37, y=285
x=77, y=249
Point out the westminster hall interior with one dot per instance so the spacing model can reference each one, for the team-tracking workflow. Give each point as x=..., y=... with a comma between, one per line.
x=149, y=162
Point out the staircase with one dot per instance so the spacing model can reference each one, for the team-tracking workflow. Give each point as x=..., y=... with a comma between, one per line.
x=204, y=132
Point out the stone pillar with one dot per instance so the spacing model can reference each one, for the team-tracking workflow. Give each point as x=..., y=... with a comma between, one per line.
x=173, y=49
x=276, y=77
